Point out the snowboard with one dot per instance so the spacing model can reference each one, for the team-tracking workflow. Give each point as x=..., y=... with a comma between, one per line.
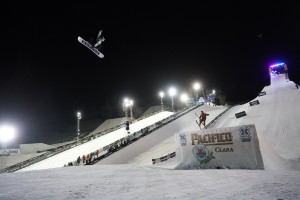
x=201, y=126
x=90, y=47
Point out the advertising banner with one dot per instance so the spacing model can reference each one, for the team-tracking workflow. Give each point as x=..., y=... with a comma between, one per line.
x=232, y=148
x=9, y=152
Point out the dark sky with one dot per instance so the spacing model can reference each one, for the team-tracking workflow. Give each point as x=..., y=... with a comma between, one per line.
x=47, y=75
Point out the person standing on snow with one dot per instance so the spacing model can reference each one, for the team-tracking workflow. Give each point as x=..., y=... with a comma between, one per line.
x=97, y=153
x=202, y=118
x=83, y=159
x=78, y=160
x=127, y=127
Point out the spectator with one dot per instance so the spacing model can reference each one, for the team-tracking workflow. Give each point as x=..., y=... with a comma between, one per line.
x=127, y=126
x=91, y=156
x=286, y=72
x=87, y=159
x=78, y=160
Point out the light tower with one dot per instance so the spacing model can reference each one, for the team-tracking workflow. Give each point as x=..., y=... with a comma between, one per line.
x=184, y=97
x=7, y=133
x=125, y=105
x=161, y=94
x=78, y=125
x=196, y=87
x=172, y=93
x=130, y=105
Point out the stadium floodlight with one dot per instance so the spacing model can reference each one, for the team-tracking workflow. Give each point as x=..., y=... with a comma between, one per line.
x=130, y=105
x=172, y=93
x=196, y=87
x=125, y=105
x=7, y=133
x=79, y=116
x=184, y=97
x=78, y=122
x=161, y=94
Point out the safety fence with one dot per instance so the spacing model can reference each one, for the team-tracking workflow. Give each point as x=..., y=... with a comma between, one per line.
x=163, y=158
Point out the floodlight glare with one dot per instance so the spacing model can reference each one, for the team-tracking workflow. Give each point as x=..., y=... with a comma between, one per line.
x=130, y=104
x=184, y=97
x=127, y=102
x=197, y=86
x=7, y=133
x=172, y=92
x=79, y=115
x=161, y=94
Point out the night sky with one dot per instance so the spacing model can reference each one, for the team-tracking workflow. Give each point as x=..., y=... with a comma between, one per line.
x=47, y=75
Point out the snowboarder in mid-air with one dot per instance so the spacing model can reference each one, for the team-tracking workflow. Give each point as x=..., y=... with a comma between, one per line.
x=99, y=40
x=95, y=47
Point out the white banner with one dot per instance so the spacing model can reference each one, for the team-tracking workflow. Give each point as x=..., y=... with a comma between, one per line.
x=9, y=152
x=14, y=151
x=4, y=152
x=232, y=147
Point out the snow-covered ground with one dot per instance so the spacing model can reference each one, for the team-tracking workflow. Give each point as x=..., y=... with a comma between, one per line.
x=162, y=141
x=63, y=158
x=129, y=173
